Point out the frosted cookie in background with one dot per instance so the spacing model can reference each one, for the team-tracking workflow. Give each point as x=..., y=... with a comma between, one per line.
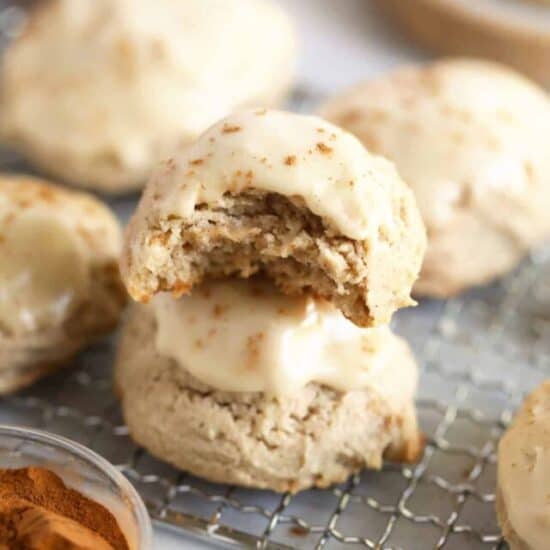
x=471, y=139
x=240, y=384
x=523, y=482
x=289, y=195
x=95, y=92
x=513, y=32
x=59, y=281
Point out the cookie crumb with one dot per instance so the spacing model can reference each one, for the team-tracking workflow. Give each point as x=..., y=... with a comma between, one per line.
x=299, y=531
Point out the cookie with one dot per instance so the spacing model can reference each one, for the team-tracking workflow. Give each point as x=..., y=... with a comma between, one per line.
x=132, y=78
x=523, y=507
x=298, y=434
x=471, y=139
x=59, y=282
x=288, y=195
x=506, y=31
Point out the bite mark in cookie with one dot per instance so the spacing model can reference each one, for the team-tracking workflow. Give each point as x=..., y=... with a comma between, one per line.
x=300, y=222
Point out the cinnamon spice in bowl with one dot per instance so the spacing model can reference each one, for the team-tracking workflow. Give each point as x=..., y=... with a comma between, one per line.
x=55, y=493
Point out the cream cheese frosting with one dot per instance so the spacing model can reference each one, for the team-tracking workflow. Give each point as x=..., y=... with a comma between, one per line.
x=47, y=239
x=42, y=271
x=132, y=78
x=243, y=336
x=524, y=470
x=289, y=154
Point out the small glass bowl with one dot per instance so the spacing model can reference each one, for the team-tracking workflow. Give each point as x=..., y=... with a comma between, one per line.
x=83, y=470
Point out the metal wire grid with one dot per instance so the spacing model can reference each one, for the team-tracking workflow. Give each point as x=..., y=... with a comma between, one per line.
x=478, y=355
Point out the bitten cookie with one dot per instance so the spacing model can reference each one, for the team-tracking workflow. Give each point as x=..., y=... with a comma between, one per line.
x=96, y=91
x=260, y=416
x=471, y=139
x=286, y=194
x=59, y=282
x=523, y=506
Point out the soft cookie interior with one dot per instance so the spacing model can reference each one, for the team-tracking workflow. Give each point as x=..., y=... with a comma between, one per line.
x=259, y=231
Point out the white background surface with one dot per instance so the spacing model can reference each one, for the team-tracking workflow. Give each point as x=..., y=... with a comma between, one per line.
x=340, y=43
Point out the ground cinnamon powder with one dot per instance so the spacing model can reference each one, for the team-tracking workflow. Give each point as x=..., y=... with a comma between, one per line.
x=36, y=498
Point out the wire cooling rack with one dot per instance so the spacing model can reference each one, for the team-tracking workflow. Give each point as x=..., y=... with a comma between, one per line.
x=478, y=355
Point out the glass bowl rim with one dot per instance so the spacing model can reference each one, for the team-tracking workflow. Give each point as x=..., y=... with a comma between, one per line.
x=91, y=457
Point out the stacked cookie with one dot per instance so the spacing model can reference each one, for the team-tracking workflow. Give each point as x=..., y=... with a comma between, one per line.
x=269, y=256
